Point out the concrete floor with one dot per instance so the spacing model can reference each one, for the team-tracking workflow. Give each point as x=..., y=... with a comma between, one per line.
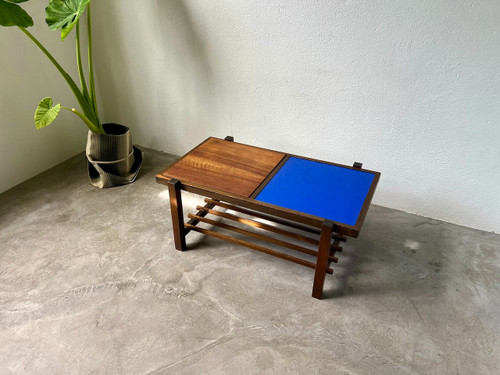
x=90, y=284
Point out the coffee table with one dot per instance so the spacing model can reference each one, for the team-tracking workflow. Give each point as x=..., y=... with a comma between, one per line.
x=301, y=204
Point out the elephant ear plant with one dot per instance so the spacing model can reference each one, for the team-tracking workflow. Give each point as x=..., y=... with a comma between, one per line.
x=64, y=15
x=112, y=159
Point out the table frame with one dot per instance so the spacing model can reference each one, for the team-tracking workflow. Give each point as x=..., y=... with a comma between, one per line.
x=326, y=234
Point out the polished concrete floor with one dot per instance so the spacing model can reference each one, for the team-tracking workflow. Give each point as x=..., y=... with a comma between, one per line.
x=90, y=283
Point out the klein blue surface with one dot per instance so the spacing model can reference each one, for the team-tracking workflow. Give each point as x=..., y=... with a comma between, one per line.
x=319, y=189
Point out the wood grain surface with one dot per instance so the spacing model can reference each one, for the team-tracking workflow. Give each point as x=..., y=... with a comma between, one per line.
x=223, y=165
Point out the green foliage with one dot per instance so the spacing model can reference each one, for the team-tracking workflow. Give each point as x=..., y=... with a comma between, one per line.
x=64, y=14
x=45, y=113
x=12, y=14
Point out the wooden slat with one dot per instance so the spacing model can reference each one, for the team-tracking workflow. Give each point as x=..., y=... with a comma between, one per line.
x=201, y=213
x=258, y=236
x=269, y=228
x=331, y=257
x=272, y=218
x=256, y=247
x=195, y=219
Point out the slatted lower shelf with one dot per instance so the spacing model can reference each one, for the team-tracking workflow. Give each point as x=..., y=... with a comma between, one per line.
x=251, y=224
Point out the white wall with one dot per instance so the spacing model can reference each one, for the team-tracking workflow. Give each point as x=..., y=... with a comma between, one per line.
x=410, y=88
x=26, y=77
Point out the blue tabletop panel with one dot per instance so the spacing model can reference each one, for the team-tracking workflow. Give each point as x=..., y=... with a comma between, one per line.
x=319, y=189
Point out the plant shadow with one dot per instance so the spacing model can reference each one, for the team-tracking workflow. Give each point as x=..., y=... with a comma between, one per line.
x=153, y=71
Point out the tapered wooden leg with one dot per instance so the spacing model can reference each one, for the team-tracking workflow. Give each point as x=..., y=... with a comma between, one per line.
x=174, y=190
x=322, y=261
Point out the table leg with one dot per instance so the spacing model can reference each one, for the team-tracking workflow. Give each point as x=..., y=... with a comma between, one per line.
x=174, y=190
x=322, y=261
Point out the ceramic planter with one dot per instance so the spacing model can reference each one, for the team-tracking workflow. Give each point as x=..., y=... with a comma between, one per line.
x=112, y=158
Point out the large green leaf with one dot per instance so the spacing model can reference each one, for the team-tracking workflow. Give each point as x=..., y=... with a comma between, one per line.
x=45, y=113
x=12, y=14
x=64, y=14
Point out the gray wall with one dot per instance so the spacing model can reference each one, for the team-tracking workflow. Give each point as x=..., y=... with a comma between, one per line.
x=27, y=77
x=410, y=88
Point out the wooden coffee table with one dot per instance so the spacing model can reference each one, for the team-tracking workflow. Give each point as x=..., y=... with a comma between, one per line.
x=316, y=204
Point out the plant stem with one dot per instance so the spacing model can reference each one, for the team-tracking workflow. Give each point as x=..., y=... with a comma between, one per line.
x=83, y=84
x=91, y=64
x=93, y=128
x=87, y=109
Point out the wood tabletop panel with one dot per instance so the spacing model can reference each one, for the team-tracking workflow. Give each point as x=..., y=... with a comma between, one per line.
x=223, y=165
